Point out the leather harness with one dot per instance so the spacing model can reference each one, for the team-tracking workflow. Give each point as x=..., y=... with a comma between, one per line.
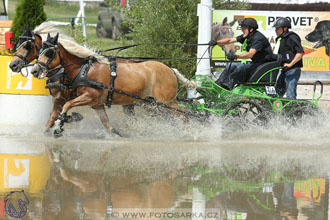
x=59, y=77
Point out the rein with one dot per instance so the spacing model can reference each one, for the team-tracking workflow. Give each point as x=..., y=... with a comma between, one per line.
x=155, y=43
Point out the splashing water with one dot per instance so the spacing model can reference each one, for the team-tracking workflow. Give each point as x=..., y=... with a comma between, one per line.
x=148, y=125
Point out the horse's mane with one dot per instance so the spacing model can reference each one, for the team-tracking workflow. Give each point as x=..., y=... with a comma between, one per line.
x=68, y=42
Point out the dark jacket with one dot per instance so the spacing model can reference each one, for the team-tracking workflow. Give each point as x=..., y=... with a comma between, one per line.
x=289, y=47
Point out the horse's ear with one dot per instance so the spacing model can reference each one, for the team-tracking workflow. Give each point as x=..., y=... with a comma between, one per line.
x=233, y=22
x=55, y=39
x=224, y=22
x=28, y=31
x=48, y=37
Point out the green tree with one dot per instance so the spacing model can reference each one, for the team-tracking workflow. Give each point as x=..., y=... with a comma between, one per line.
x=170, y=21
x=29, y=13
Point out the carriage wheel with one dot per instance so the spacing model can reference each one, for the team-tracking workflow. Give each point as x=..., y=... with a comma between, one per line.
x=247, y=112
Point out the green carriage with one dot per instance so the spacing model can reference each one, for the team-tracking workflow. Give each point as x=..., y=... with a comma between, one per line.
x=257, y=96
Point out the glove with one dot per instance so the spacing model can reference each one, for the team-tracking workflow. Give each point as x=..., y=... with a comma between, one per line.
x=285, y=68
x=231, y=56
x=212, y=43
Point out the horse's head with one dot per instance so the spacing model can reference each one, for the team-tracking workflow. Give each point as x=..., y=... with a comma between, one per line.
x=49, y=58
x=26, y=50
x=224, y=30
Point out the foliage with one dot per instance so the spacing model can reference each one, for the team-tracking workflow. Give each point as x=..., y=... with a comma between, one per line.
x=29, y=13
x=172, y=21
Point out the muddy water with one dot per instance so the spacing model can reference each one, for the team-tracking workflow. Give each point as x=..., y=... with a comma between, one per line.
x=166, y=169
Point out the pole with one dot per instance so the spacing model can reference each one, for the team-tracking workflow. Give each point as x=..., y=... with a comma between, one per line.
x=6, y=7
x=204, y=13
x=83, y=19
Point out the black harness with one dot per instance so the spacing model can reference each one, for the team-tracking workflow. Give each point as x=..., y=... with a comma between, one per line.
x=59, y=80
x=81, y=79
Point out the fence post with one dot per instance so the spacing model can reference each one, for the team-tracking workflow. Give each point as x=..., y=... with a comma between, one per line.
x=83, y=20
x=204, y=13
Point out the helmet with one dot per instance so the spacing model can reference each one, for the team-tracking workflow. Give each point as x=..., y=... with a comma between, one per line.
x=249, y=23
x=282, y=22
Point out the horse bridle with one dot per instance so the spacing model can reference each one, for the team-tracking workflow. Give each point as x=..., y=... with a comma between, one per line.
x=29, y=39
x=45, y=66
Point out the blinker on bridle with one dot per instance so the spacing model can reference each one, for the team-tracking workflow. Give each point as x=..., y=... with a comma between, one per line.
x=45, y=66
x=29, y=49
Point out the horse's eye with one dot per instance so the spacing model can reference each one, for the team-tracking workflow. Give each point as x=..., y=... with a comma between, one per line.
x=49, y=53
x=28, y=45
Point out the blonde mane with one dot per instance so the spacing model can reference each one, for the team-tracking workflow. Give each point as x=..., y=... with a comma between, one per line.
x=68, y=42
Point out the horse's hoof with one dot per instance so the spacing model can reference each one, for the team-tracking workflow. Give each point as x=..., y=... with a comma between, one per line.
x=58, y=132
x=47, y=132
x=114, y=131
x=76, y=116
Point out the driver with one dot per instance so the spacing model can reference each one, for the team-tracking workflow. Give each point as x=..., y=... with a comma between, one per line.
x=292, y=52
x=257, y=48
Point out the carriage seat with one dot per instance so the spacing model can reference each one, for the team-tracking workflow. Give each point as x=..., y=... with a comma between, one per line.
x=260, y=75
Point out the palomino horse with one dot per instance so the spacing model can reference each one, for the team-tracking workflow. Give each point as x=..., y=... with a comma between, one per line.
x=224, y=30
x=27, y=50
x=143, y=80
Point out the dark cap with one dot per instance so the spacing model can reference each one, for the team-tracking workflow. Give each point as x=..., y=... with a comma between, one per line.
x=249, y=23
x=282, y=22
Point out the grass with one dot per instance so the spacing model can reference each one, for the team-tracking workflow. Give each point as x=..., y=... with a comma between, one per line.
x=55, y=10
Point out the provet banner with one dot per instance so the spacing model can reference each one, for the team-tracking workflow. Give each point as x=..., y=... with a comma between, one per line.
x=312, y=27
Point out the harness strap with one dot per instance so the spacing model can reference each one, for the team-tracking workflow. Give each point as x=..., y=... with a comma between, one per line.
x=56, y=81
x=243, y=61
x=58, y=86
x=58, y=75
x=113, y=76
x=81, y=79
x=130, y=95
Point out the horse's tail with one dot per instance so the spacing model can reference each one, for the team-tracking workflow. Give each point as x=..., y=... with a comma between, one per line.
x=187, y=83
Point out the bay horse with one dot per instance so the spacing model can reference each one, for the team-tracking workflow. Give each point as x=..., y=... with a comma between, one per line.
x=143, y=80
x=27, y=49
x=224, y=30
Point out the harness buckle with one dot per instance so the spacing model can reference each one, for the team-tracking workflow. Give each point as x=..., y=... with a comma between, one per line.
x=63, y=87
x=113, y=73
